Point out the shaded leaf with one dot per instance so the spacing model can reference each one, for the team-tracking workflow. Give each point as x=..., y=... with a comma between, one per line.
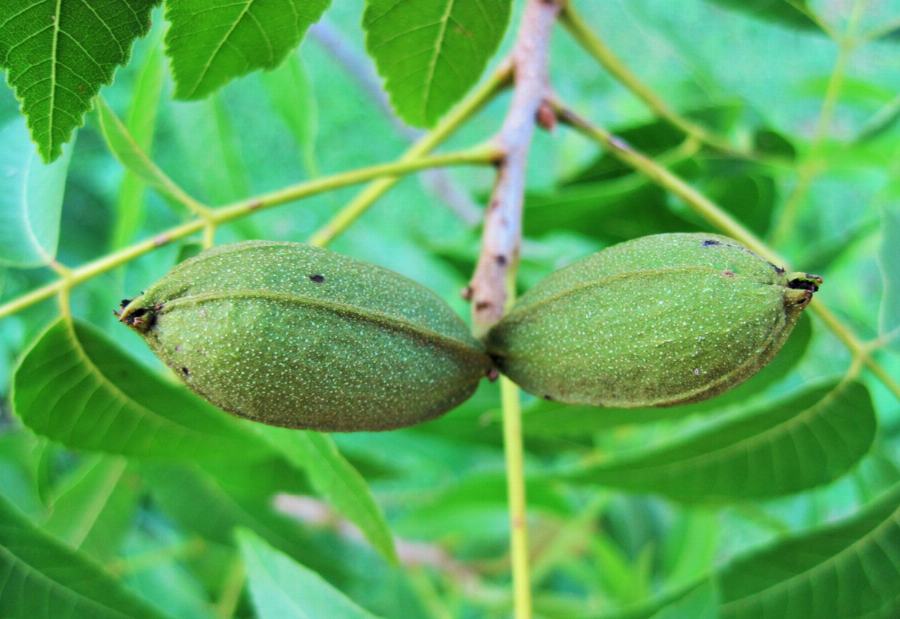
x=889, y=260
x=787, y=446
x=74, y=386
x=848, y=569
x=280, y=587
x=31, y=198
x=291, y=94
x=699, y=603
x=42, y=579
x=141, y=125
x=790, y=13
x=214, y=506
x=430, y=52
x=336, y=481
x=94, y=507
x=57, y=55
x=213, y=41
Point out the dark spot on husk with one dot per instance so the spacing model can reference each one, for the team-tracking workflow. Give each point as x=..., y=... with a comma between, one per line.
x=548, y=397
x=710, y=242
x=185, y=372
x=124, y=302
x=481, y=305
x=492, y=374
x=501, y=259
x=728, y=273
x=777, y=269
x=466, y=293
x=142, y=319
x=317, y=278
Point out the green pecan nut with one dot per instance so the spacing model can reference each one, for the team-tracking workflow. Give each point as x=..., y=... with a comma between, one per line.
x=292, y=335
x=656, y=321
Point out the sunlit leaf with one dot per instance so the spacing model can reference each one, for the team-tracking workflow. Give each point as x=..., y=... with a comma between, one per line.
x=280, y=587
x=430, y=52
x=213, y=41
x=42, y=579
x=700, y=603
x=76, y=387
x=58, y=53
x=336, y=481
x=31, y=198
x=784, y=447
x=848, y=569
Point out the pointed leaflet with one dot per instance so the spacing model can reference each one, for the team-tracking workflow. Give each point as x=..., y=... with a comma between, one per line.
x=336, y=481
x=279, y=587
x=849, y=569
x=213, y=41
x=31, y=198
x=58, y=53
x=42, y=579
x=430, y=52
x=787, y=446
x=74, y=386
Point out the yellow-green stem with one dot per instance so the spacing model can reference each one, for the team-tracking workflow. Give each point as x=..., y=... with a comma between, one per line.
x=363, y=200
x=582, y=33
x=721, y=220
x=515, y=482
x=479, y=155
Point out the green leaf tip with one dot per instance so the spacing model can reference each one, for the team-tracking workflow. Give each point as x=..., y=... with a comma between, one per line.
x=432, y=51
x=213, y=41
x=57, y=55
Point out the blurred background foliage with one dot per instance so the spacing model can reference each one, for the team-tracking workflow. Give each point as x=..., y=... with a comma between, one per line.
x=187, y=533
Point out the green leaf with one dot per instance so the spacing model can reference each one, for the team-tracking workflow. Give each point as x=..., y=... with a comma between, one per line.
x=124, y=147
x=42, y=579
x=58, y=53
x=141, y=125
x=790, y=13
x=213, y=506
x=94, y=508
x=791, y=445
x=291, y=95
x=430, y=52
x=699, y=603
x=31, y=198
x=213, y=41
x=74, y=386
x=336, y=481
x=280, y=587
x=848, y=569
x=889, y=260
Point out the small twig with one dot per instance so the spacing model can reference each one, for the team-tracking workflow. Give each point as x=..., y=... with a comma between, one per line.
x=502, y=234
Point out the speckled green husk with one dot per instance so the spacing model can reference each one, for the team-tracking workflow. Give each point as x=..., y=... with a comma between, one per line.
x=292, y=335
x=656, y=321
